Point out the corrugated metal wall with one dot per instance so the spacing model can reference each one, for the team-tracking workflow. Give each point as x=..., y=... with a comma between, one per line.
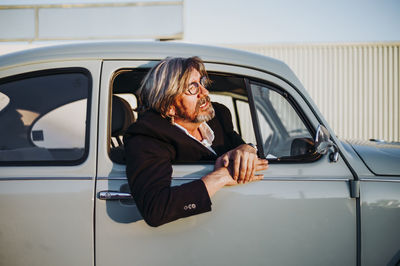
x=356, y=86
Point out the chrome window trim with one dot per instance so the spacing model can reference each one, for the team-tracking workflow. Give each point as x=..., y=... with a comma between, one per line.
x=383, y=179
x=43, y=178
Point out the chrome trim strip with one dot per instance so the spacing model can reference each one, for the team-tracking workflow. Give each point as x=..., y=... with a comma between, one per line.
x=265, y=179
x=305, y=179
x=43, y=178
x=395, y=179
x=112, y=178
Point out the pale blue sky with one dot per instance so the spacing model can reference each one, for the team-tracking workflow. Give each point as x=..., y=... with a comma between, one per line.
x=299, y=21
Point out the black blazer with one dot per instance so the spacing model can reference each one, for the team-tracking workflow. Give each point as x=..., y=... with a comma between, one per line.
x=152, y=145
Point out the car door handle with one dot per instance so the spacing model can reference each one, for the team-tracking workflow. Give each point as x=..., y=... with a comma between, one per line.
x=114, y=195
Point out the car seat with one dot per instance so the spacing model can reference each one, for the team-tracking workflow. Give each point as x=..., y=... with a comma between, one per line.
x=122, y=118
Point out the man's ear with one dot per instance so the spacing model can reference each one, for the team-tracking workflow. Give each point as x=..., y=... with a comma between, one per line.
x=171, y=111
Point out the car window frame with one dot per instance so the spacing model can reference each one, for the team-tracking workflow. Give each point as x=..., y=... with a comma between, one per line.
x=55, y=71
x=247, y=80
x=304, y=158
x=109, y=170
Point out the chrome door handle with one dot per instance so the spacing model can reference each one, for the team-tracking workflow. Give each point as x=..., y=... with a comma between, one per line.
x=114, y=195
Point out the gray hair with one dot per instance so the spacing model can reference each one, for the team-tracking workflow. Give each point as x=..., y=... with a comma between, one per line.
x=165, y=81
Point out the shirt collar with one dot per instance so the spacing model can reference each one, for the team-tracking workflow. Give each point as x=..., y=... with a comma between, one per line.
x=206, y=132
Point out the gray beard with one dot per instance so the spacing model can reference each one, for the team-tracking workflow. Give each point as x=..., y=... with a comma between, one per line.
x=207, y=117
x=199, y=118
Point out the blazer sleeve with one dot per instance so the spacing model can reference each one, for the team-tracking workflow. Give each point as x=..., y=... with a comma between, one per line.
x=149, y=172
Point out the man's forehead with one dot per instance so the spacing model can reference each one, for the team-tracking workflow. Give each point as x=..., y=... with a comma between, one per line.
x=194, y=74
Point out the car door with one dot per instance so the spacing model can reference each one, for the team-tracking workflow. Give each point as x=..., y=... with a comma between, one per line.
x=48, y=132
x=301, y=213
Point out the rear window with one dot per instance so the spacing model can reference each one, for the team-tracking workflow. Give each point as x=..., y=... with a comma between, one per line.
x=44, y=117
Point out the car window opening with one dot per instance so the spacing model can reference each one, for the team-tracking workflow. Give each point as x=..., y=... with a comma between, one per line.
x=284, y=135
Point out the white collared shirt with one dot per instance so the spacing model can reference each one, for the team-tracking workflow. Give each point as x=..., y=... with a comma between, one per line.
x=206, y=132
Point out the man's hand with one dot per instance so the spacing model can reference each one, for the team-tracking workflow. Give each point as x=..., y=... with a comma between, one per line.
x=222, y=176
x=235, y=167
x=244, y=163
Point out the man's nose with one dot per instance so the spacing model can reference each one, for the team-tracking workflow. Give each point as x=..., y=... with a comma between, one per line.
x=203, y=90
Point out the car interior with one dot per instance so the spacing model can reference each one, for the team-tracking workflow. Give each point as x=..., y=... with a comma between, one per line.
x=281, y=142
x=33, y=127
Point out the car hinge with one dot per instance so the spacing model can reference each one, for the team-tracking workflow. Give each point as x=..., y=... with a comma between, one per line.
x=354, y=188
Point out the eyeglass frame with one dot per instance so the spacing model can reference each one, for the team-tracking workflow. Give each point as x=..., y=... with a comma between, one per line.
x=196, y=85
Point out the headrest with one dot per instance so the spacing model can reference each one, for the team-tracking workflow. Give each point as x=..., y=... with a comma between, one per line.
x=122, y=116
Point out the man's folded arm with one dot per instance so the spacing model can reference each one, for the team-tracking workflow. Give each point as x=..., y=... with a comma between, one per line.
x=149, y=172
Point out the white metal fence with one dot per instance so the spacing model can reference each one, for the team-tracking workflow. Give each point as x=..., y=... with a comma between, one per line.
x=356, y=86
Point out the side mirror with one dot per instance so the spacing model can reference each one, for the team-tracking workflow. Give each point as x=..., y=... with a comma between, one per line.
x=323, y=144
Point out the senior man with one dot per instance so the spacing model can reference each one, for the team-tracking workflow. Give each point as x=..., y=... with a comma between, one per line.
x=178, y=123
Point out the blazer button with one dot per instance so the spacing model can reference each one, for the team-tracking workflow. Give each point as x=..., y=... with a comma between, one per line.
x=189, y=206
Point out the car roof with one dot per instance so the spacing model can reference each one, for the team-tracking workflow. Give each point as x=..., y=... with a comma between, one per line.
x=132, y=50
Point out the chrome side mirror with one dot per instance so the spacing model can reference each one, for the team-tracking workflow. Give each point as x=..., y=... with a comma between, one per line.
x=323, y=144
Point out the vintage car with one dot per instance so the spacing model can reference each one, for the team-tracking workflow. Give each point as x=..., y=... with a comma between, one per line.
x=64, y=197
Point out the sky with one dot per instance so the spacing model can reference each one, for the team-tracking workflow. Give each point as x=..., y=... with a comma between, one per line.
x=291, y=21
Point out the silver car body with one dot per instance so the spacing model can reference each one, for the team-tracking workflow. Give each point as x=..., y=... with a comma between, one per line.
x=303, y=213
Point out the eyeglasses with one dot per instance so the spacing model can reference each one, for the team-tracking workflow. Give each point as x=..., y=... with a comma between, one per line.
x=194, y=87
